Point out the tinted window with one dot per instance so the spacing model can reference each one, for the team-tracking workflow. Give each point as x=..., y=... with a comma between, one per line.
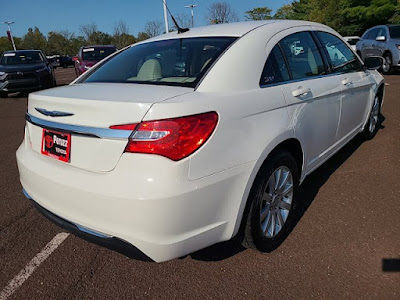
x=302, y=55
x=342, y=58
x=381, y=32
x=371, y=35
x=394, y=32
x=275, y=69
x=21, y=57
x=178, y=62
x=96, y=53
x=353, y=41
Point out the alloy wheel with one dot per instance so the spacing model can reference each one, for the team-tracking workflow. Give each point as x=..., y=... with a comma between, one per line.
x=276, y=202
x=374, y=115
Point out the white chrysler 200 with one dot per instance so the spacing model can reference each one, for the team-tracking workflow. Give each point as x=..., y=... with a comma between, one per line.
x=172, y=143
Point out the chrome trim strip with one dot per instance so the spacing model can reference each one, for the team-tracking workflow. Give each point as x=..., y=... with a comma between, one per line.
x=80, y=130
x=92, y=232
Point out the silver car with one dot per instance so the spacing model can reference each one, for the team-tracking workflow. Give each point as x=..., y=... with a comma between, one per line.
x=382, y=40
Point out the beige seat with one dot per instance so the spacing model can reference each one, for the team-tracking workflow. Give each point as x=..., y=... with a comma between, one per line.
x=150, y=70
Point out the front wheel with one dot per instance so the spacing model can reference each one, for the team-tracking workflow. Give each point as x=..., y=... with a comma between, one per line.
x=3, y=94
x=387, y=67
x=372, y=126
x=272, y=203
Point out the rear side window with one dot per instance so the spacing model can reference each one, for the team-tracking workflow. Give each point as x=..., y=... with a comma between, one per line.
x=394, y=32
x=341, y=57
x=302, y=55
x=275, y=69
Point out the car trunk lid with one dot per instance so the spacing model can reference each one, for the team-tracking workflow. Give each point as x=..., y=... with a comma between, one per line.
x=86, y=111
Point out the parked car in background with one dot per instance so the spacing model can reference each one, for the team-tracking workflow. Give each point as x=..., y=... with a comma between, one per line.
x=352, y=40
x=25, y=70
x=176, y=142
x=384, y=41
x=90, y=55
x=65, y=61
x=53, y=60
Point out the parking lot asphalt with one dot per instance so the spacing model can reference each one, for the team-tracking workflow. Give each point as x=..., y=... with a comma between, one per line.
x=345, y=243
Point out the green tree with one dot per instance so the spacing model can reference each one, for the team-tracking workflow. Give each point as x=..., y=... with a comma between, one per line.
x=142, y=36
x=76, y=43
x=5, y=43
x=34, y=39
x=59, y=42
x=285, y=12
x=100, y=38
x=259, y=13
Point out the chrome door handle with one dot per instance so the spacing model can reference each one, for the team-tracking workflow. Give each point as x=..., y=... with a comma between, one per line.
x=347, y=82
x=301, y=91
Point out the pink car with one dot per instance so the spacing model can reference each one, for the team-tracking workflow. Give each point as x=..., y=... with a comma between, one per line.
x=90, y=55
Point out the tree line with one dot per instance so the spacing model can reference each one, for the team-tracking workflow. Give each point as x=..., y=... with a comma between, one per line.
x=348, y=17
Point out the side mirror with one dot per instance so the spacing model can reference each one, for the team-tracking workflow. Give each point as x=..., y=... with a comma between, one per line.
x=373, y=62
x=380, y=38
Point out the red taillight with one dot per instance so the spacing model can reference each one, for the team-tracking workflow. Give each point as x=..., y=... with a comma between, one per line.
x=124, y=127
x=173, y=138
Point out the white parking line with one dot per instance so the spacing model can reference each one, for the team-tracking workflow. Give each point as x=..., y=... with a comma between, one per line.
x=18, y=280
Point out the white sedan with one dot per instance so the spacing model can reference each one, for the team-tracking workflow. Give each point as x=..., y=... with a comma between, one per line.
x=173, y=143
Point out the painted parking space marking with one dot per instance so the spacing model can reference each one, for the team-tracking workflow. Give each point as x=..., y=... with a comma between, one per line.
x=35, y=262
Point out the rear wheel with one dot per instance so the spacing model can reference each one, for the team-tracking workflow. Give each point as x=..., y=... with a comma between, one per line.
x=372, y=126
x=387, y=67
x=272, y=202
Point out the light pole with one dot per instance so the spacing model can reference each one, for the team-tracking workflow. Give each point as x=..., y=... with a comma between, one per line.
x=9, y=29
x=191, y=6
x=165, y=16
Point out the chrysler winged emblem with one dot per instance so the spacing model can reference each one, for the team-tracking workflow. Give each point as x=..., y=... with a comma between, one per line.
x=53, y=113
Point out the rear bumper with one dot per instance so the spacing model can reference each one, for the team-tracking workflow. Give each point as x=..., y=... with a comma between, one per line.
x=94, y=237
x=147, y=201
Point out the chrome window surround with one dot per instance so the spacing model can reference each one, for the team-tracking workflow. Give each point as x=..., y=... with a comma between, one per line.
x=94, y=132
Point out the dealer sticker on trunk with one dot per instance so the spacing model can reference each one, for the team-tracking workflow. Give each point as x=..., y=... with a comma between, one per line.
x=56, y=144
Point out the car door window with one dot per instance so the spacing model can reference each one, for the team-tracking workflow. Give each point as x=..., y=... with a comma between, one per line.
x=372, y=34
x=302, y=55
x=341, y=57
x=275, y=69
x=381, y=32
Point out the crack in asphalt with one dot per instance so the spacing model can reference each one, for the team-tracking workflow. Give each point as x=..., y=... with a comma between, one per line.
x=74, y=288
x=15, y=220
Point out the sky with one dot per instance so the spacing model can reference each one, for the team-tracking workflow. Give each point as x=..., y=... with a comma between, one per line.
x=58, y=15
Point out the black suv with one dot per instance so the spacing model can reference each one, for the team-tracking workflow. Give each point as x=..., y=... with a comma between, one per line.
x=24, y=70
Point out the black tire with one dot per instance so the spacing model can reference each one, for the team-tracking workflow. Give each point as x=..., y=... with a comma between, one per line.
x=254, y=236
x=3, y=94
x=373, y=123
x=387, y=67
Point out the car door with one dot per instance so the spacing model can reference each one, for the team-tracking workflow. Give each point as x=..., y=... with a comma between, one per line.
x=354, y=81
x=378, y=47
x=313, y=99
x=370, y=42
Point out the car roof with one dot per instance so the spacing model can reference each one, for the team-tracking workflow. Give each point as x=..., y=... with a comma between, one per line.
x=98, y=46
x=16, y=51
x=351, y=37
x=237, y=29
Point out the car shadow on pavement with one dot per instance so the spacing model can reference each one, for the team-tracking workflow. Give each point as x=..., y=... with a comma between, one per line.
x=307, y=191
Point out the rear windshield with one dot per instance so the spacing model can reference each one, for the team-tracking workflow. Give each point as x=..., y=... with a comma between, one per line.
x=179, y=62
x=20, y=58
x=96, y=53
x=394, y=32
